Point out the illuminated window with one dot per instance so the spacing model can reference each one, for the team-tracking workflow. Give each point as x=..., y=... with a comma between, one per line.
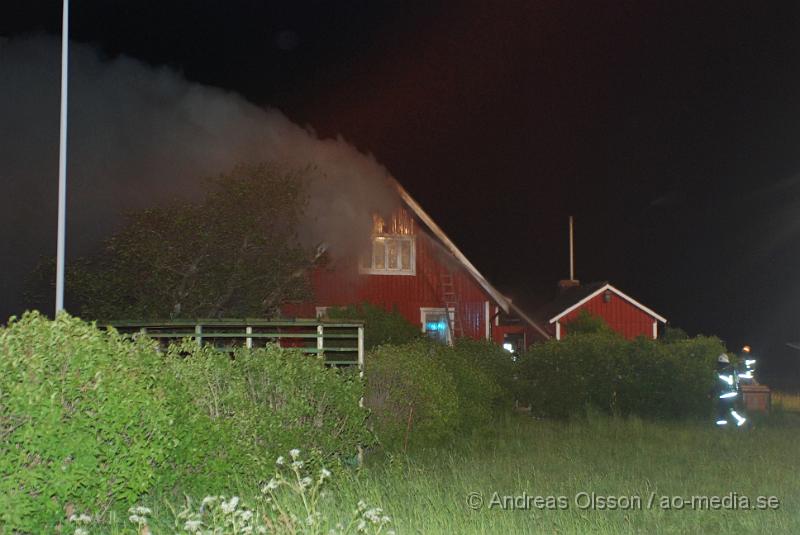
x=391, y=255
x=435, y=324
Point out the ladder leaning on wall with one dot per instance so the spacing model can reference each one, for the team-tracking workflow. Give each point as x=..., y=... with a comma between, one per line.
x=450, y=299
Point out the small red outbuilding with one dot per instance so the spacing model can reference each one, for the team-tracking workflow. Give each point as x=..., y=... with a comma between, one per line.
x=622, y=313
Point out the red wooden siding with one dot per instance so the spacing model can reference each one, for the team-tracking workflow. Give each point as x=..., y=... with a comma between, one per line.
x=341, y=284
x=621, y=315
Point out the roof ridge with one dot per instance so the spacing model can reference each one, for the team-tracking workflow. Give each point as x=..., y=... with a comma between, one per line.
x=504, y=302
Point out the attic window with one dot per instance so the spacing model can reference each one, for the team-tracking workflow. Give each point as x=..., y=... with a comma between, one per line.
x=391, y=255
x=607, y=296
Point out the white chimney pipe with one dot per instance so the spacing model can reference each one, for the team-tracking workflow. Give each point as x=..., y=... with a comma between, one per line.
x=571, y=251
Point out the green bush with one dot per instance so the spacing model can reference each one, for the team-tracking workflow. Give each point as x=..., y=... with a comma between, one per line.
x=562, y=377
x=693, y=362
x=673, y=334
x=671, y=380
x=380, y=326
x=250, y=407
x=477, y=391
x=500, y=366
x=411, y=395
x=608, y=373
x=83, y=420
x=588, y=323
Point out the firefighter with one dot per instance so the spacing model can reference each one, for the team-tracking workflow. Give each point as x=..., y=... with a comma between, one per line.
x=727, y=394
x=748, y=368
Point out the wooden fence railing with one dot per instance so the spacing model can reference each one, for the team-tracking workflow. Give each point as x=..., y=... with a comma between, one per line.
x=340, y=344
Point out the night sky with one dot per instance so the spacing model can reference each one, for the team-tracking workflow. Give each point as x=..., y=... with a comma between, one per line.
x=670, y=132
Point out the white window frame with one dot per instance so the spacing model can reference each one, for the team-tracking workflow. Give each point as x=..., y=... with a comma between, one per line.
x=451, y=314
x=322, y=312
x=412, y=270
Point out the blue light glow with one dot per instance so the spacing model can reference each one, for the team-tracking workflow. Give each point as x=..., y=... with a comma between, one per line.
x=436, y=326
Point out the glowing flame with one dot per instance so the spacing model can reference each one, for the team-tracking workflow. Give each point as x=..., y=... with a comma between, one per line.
x=401, y=223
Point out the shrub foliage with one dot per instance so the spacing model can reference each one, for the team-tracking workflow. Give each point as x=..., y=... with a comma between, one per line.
x=90, y=419
x=83, y=418
x=412, y=397
x=249, y=407
x=380, y=325
x=498, y=364
x=423, y=393
x=604, y=371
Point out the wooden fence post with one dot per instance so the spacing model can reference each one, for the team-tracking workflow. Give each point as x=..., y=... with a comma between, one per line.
x=198, y=332
x=360, y=455
x=361, y=351
x=320, y=338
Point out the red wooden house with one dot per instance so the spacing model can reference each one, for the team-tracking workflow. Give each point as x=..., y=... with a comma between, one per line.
x=415, y=268
x=621, y=312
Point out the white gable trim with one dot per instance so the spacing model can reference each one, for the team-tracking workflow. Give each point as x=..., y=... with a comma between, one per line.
x=594, y=294
x=504, y=302
x=499, y=298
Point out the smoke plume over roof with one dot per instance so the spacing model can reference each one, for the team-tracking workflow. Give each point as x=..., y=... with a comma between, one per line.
x=140, y=135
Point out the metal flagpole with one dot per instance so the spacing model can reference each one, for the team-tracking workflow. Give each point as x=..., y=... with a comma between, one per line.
x=62, y=161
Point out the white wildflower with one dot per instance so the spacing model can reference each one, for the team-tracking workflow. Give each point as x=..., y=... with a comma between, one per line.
x=305, y=482
x=324, y=473
x=361, y=505
x=208, y=500
x=81, y=531
x=385, y=519
x=247, y=515
x=246, y=530
x=193, y=526
x=373, y=515
x=272, y=485
x=295, y=453
x=280, y=461
x=136, y=519
x=362, y=526
x=85, y=519
x=261, y=529
x=298, y=464
x=139, y=510
x=73, y=518
x=230, y=506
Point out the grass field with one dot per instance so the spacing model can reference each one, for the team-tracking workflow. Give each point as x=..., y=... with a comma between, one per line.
x=786, y=402
x=639, y=463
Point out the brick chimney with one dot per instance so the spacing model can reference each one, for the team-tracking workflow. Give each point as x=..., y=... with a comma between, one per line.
x=566, y=284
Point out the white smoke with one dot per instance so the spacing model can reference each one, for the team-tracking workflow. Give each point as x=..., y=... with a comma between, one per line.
x=139, y=135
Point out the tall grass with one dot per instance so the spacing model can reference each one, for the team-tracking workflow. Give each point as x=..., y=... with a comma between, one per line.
x=786, y=402
x=426, y=492
x=610, y=457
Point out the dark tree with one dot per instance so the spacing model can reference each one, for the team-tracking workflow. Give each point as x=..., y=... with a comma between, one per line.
x=234, y=254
